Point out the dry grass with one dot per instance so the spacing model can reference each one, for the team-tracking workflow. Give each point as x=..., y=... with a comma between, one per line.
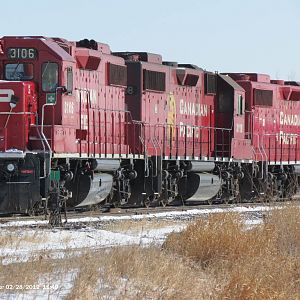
x=153, y=274
x=285, y=225
x=258, y=263
x=120, y=273
x=139, y=225
x=13, y=238
x=25, y=273
x=136, y=273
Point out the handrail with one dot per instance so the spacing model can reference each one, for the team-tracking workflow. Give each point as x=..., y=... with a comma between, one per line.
x=43, y=144
x=156, y=162
x=201, y=128
x=42, y=124
x=249, y=118
x=43, y=134
x=17, y=113
x=280, y=139
x=266, y=158
x=105, y=110
x=258, y=144
x=42, y=138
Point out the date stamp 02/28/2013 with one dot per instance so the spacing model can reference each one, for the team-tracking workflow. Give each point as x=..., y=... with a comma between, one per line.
x=14, y=287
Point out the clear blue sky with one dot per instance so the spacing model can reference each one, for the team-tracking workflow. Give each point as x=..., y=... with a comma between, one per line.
x=218, y=35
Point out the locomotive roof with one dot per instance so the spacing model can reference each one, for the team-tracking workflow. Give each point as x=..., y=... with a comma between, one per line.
x=231, y=82
x=55, y=44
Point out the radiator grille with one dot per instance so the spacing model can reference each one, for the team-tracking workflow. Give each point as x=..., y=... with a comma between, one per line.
x=263, y=97
x=155, y=81
x=117, y=75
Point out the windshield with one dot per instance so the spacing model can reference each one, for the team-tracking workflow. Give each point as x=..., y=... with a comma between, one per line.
x=19, y=71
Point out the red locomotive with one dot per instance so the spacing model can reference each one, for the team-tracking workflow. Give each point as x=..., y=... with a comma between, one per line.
x=80, y=125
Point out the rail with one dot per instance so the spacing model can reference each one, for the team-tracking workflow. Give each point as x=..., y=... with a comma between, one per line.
x=17, y=113
x=110, y=120
x=249, y=115
x=41, y=136
x=101, y=129
x=195, y=141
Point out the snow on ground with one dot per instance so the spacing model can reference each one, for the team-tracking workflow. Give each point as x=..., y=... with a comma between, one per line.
x=163, y=215
x=57, y=243
x=57, y=240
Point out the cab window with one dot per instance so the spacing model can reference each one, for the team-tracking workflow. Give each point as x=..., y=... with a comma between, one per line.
x=19, y=71
x=49, y=77
x=69, y=80
x=240, y=105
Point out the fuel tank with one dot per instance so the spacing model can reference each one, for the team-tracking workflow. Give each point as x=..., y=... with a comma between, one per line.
x=91, y=189
x=199, y=187
x=106, y=165
x=297, y=169
x=200, y=166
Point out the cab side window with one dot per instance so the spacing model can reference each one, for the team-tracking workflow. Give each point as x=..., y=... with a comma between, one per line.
x=69, y=80
x=240, y=105
x=49, y=77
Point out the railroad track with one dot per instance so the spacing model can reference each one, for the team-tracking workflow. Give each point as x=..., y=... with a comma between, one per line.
x=95, y=215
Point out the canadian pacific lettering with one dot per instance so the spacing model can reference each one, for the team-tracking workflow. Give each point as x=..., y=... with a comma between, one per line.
x=286, y=119
x=188, y=130
x=286, y=138
x=193, y=109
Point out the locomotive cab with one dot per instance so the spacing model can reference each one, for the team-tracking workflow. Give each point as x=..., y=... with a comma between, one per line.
x=23, y=177
x=231, y=114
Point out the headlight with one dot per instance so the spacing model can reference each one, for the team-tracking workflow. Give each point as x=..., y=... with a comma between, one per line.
x=10, y=167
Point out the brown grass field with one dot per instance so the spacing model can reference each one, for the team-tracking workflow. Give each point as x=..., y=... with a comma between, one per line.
x=213, y=258
x=259, y=263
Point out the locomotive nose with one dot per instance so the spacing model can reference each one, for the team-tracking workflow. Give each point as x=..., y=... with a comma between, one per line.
x=9, y=121
x=17, y=112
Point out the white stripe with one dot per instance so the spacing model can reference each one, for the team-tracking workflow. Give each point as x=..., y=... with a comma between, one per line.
x=7, y=93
